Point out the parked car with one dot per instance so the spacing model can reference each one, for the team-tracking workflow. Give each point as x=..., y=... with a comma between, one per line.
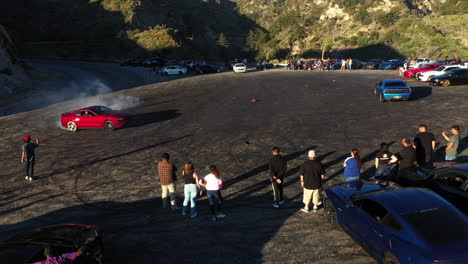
x=94, y=117
x=373, y=64
x=207, y=69
x=392, y=90
x=410, y=73
x=28, y=246
x=132, y=62
x=266, y=66
x=239, y=67
x=399, y=225
x=309, y=65
x=391, y=64
x=425, y=76
x=153, y=62
x=418, y=63
x=453, y=77
x=174, y=70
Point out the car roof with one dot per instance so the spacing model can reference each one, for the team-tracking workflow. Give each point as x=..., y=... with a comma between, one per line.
x=354, y=189
x=93, y=108
x=407, y=200
x=393, y=80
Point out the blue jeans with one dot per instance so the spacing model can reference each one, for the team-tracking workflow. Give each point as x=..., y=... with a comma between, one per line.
x=382, y=171
x=215, y=200
x=450, y=158
x=190, y=193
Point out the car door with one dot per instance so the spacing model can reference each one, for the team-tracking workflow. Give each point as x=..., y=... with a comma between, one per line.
x=366, y=217
x=453, y=186
x=170, y=70
x=94, y=120
x=81, y=119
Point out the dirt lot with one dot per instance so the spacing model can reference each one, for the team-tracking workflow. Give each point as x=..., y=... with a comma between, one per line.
x=109, y=178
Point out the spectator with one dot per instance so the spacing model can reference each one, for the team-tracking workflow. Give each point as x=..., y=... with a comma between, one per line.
x=382, y=159
x=190, y=189
x=352, y=166
x=446, y=61
x=66, y=258
x=311, y=173
x=213, y=183
x=459, y=60
x=350, y=64
x=425, y=145
x=343, y=64
x=28, y=156
x=453, y=142
x=277, y=167
x=406, y=160
x=166, y=171
x=453, y=61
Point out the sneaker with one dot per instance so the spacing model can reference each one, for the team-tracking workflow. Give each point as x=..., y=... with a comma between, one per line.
x=305, y=210
x=26, y=178
x=276, y=205
x=282, y=202
x=184, y=214
x=175, y=207
x=220, y=215
x=193, y=216
x=214, y=218
x=315, y=208
x=30, y=178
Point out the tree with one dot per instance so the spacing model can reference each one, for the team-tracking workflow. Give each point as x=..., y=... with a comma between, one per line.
x=222, y=41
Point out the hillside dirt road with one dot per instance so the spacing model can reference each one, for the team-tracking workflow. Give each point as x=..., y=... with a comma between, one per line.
x=108, y=178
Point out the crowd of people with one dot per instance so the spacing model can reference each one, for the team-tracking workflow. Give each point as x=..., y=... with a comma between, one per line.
x=324, y=65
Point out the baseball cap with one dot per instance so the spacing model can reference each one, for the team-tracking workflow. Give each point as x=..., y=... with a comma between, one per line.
x=27, y=138
x=311, y=154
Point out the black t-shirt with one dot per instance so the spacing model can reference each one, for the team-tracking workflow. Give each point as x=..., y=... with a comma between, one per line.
x=383, y=157
x=28, y=149
x=189, y=179
x=407, y=157
x=312, y=170
x=423, y=142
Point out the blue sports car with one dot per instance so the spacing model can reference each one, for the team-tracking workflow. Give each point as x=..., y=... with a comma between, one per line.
x=392, y=90
x=399, y=225
x=391, y=65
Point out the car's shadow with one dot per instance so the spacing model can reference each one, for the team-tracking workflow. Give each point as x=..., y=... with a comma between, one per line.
x=143, y=119
x=420, y=92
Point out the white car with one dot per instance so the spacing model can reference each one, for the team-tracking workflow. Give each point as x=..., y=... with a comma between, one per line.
x=239, y=67
x=418, y=63
x=174, y=69
x=425, y=76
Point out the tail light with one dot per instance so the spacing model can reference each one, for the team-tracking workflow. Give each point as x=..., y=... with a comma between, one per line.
x=397, y=91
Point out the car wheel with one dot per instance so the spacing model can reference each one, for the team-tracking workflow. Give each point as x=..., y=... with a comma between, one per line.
x=109, y=125
x=381, y=98
x=446, y=83
x=331, y=214
x=390, y=259
x=71, y=126
x=218, y=70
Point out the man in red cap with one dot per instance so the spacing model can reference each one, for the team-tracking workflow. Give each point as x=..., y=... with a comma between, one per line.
x=28, y=156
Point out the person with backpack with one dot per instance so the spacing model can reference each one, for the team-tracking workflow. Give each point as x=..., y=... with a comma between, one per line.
x=213, y=183
x=28, y=156
x=190, y=189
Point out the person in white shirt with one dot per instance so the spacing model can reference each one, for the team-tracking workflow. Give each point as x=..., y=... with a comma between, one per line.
x=213, y=183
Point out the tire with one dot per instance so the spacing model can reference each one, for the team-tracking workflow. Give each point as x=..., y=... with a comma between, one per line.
x=389, y=258
x=446, y=83
x=381, y=98
x=109, y=125
x=331, y=214
x=71, y=126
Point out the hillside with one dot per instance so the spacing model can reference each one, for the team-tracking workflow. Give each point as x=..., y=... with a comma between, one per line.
x=222, y=29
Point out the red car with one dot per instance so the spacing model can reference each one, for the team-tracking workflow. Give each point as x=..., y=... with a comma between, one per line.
x=94, y=117
x=412, y=72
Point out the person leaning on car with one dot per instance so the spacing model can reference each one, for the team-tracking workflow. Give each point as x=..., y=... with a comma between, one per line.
x=66, y=258
x=406, y=159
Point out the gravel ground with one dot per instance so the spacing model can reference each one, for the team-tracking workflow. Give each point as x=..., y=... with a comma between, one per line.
x=109, y=179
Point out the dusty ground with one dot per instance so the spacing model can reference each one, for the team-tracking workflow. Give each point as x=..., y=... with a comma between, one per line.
x=109, y=179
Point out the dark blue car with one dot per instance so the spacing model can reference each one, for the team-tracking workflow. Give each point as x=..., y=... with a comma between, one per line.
x=392, y=90
x=399, y=225
x=391, y=65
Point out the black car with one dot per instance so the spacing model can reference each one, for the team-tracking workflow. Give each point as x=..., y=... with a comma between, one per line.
x=28, y=246
x=449, y=182
x=266, y=66
x=373, y=64
x=207, y=69
x=452, y=77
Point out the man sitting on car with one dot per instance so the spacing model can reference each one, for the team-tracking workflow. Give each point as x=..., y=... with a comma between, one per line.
x=66, y=258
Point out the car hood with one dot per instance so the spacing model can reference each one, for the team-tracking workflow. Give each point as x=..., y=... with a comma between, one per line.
x=59, y=235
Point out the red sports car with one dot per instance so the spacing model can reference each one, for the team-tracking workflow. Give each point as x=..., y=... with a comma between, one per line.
x=412, y=72
x=94, y=117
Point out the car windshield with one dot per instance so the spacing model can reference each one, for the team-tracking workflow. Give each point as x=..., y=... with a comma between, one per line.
x=439, y=225
x=100, y=110
x=240, y=65
x=395, y=83
x=441, y=68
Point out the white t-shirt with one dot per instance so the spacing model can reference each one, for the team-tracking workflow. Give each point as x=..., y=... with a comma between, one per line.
x=212, y=183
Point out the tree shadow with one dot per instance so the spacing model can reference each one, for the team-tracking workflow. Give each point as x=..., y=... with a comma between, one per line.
x=143, y=119
x=374, y=51
x=420, y=92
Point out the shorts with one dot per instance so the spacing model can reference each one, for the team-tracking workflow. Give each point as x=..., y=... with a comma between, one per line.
x=311, y=195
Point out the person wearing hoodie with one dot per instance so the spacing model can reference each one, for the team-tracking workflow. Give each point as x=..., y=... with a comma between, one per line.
x=277, y=167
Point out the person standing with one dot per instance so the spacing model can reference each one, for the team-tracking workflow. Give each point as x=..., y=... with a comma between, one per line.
x=213, y=183
x=28, y=156
x=311, y=174
x=343, y=64
x=382, y=158
x=453, y=142
x=352, y=166
x=406, y=160
x=350, y=64
x=425, y=145
x=166, y=171
x=190, y=189
x=277, y=167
